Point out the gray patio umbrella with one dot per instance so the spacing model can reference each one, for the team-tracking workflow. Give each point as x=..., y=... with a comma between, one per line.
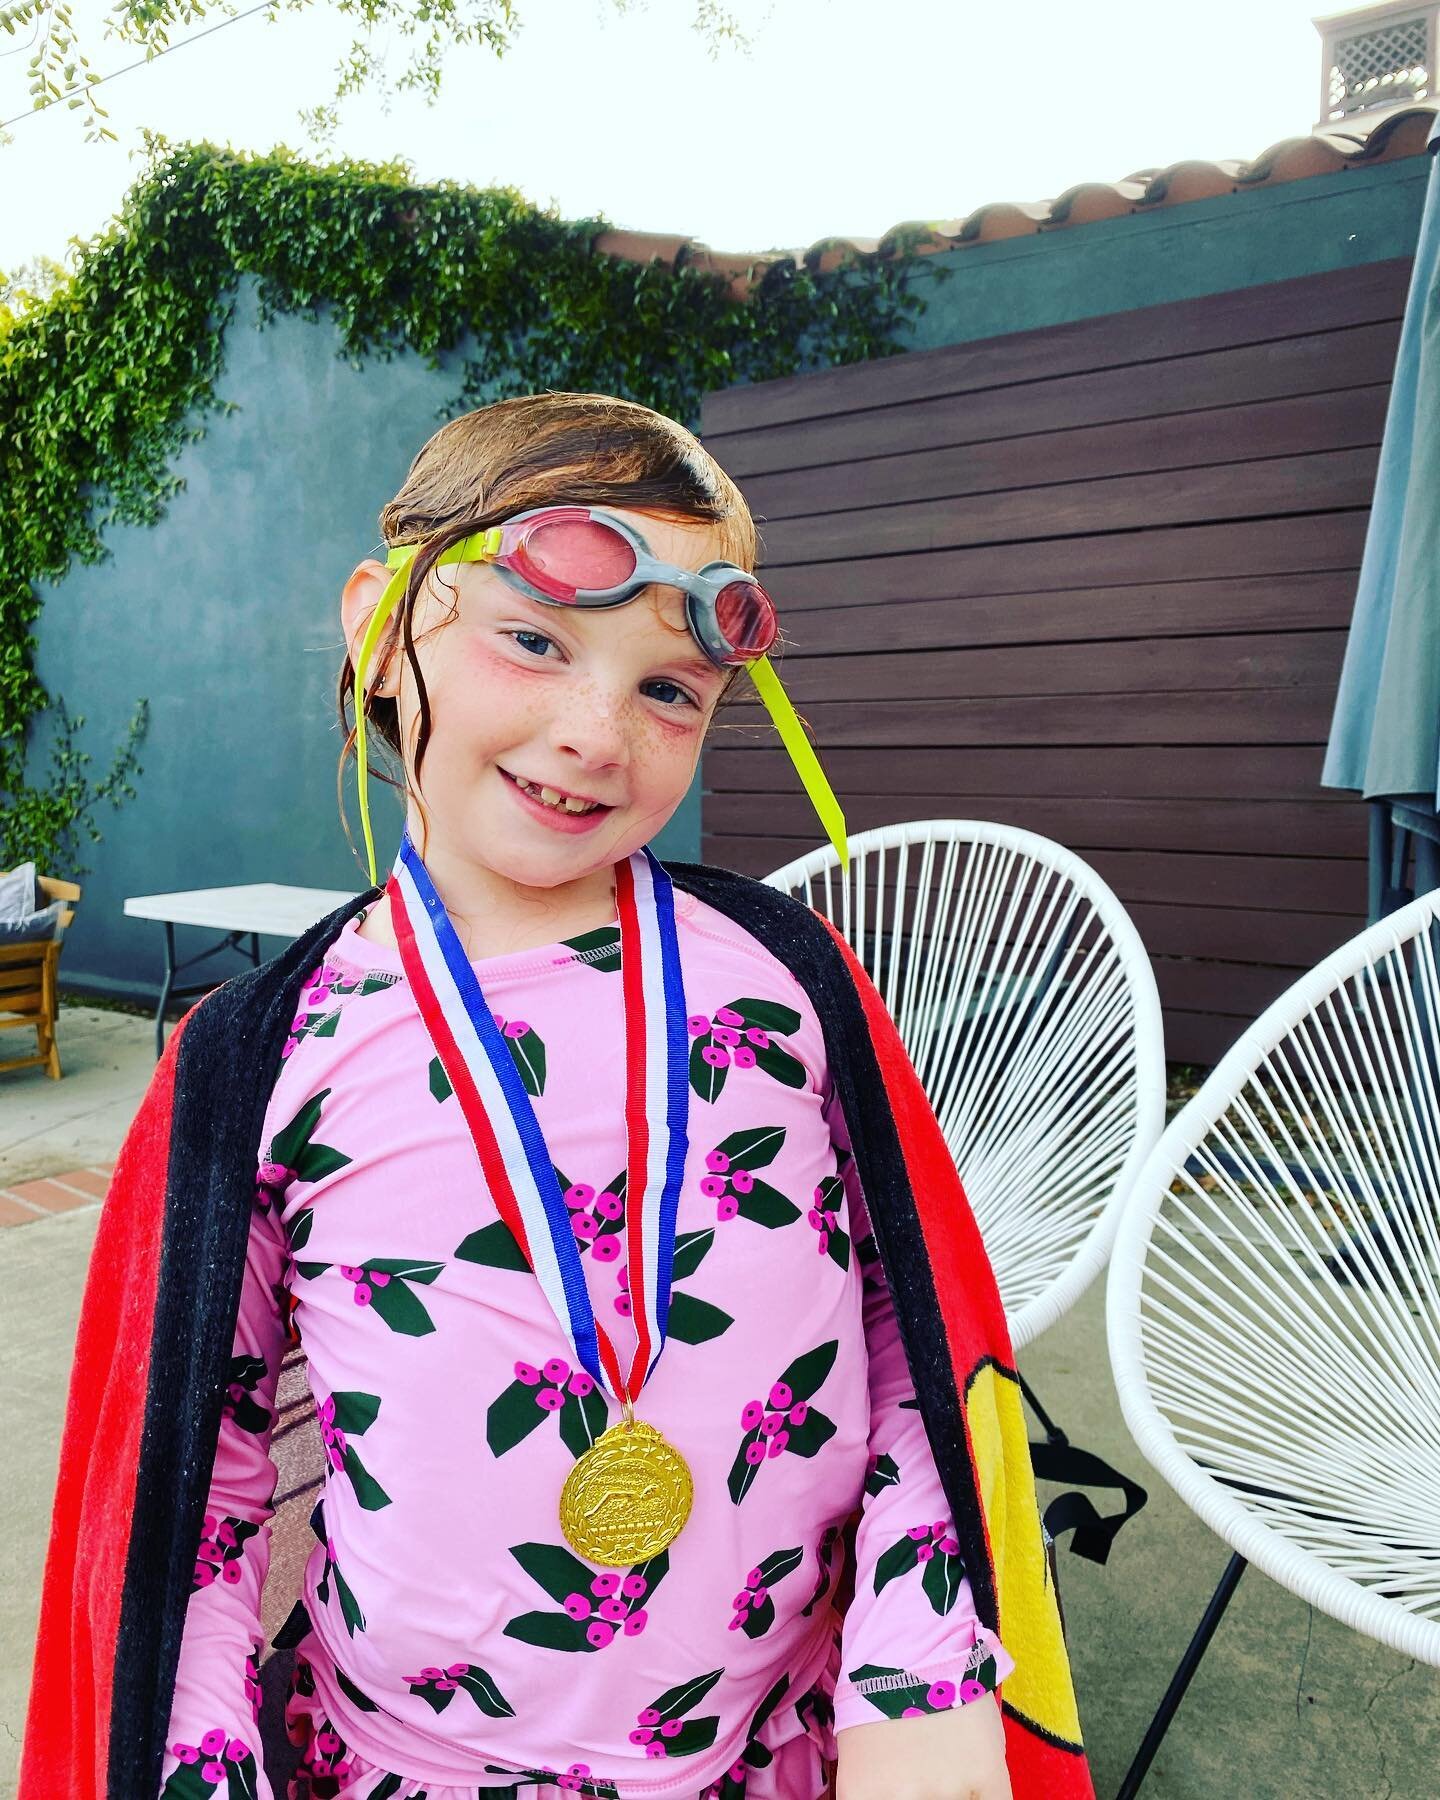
x=1385, y=733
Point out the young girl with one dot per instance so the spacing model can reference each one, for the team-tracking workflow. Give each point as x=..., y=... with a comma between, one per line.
x=557, y=1179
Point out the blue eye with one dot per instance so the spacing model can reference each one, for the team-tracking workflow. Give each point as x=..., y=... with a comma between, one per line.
x=684, y=699
x=538, y=636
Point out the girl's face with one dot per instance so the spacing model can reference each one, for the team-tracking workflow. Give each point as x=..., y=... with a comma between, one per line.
x=607, y=706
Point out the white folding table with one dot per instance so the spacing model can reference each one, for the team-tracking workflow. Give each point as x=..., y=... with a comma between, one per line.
x=257, y=909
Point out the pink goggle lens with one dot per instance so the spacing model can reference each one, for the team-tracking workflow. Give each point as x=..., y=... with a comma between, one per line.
x=746, y=615
x=565, y=556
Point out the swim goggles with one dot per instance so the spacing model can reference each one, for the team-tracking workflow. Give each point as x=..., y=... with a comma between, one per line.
x=585, y=556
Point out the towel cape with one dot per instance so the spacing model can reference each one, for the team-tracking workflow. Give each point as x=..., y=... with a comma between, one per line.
x=162, y=1296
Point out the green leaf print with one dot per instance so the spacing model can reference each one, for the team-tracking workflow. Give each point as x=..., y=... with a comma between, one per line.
x=899, y=1559
x=778, y=1564
x=550, y=1631
x=354, y=1694
x=941, y=1581
x=695, y=1321
x=440, y=1088
x=769, y=1015
x=824, y=1550
x=894, y=1702
x=600, y=949
x=583, y=1418
x=767, y=1206
x=675, y=1702
x=487, y=1696
x=292, y=1146
x=554, y=1568
x=886, y=1473
x=355, y=1412
x=402, y=1310
x=528, y=1052
x=495, y=1246
x=511, y=1417
x=780, y=1064
x=707, y=1080
x=298, y=1229
x=767, y=1706
x=368, y=1490
x=309, y=1271
x=693, y=1735
x=808, y=1371
x=691, y=1249
x=807, y=1437
x=755, y=1148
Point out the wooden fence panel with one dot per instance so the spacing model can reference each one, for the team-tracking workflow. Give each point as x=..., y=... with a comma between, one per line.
x=1093, y=581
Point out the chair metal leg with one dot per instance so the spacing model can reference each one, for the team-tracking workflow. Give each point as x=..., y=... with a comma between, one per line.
x=1181, y=1679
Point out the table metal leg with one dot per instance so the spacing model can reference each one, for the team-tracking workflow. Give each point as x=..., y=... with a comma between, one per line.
x=171, y=990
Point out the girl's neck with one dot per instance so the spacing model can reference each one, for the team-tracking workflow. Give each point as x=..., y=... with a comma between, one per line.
x=494, y=917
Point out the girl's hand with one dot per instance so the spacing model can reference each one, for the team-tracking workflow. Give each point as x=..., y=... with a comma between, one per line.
x=954, y=1755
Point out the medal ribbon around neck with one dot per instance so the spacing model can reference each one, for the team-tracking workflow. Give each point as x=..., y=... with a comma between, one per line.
x=512, y=1150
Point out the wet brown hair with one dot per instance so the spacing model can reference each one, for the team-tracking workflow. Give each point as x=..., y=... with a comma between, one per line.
x=535, y=450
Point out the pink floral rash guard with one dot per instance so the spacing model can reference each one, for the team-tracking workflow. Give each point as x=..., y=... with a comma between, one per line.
x=456, y=1646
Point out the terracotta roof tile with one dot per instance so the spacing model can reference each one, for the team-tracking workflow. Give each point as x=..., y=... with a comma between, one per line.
x=1382, y=138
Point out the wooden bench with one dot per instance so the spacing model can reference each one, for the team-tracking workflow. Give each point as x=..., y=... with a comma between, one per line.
x=29, y=988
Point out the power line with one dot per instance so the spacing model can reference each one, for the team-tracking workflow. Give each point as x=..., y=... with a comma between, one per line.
x=144, y=62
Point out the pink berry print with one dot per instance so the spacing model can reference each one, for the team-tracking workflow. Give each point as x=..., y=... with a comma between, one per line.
x=671, y=1728
x=608, y=1205
x=578, y=1606
x=528, y=1373
x=579, y=1194
x=599, y=1633
x=697, y=1024
x=742, y=1181
x=642, y=1734
x=550, y=1398
x=580, y=1384
x=755, y=1453
x=379, y=1277
x=556, y=1370
x=716, y=1056
x=752, y=1414
x=713, y=1186
x=726, y=1208
x=213, y=1741
x=924, y=1552
x=941, y=1694
x=727, y=1015
x=760, y=1039
x=613, y=1609
x=633, y=1586
x=363, y=1293
x=584, y=1226
x=622, y=1305
x=650, y=1716
x=718, y=1161
x=605, y=1585
x=725, y=1034
x=780, y=1395
x=516, y=1028
x=972, y=1690
x=778, y=1443
x=636, y=1623
x=606, y=1249
x=913, y=1712
x=799, y=1412
x=744, y=1057
x=948, y=1546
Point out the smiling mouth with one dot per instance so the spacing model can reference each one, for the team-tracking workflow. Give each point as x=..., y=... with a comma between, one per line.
x=554, y=797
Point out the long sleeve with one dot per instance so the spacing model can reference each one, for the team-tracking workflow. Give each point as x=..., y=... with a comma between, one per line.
x=216, y=1707
x=911, y=1642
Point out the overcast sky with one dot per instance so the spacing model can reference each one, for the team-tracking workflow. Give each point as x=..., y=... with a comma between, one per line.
x=847, y=116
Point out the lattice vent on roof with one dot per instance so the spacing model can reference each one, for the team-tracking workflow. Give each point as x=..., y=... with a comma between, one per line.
x=1380, y=66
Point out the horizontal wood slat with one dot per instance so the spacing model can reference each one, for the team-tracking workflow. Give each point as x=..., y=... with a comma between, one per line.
x=1276, y=310
x=1225, y=435
x=1160, y=609
x=1318, y=362
x=1093, y=581
x=1223, y=773
x=1248, y=549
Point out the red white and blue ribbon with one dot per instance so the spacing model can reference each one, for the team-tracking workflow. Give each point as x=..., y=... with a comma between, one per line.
x=513, y=1154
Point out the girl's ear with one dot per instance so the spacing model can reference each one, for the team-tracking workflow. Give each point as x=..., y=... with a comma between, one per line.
x=358, y=600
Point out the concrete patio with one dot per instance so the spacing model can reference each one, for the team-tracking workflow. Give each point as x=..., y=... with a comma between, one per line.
x=1286, y=1703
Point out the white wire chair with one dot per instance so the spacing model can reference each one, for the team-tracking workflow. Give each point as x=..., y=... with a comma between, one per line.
x=1026, y=1001
x=1273, y=1302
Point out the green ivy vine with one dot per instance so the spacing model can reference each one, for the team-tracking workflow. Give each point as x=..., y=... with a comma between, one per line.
x=103, y=378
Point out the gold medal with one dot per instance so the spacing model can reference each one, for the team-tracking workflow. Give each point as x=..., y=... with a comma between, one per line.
x=627, y=1497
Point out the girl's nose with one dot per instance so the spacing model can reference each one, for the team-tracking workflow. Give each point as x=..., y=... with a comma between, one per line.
x=592, y=727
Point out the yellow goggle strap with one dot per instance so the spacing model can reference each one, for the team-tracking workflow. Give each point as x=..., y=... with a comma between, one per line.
x=476, y=548
x=807, y=765
x=484, y=544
